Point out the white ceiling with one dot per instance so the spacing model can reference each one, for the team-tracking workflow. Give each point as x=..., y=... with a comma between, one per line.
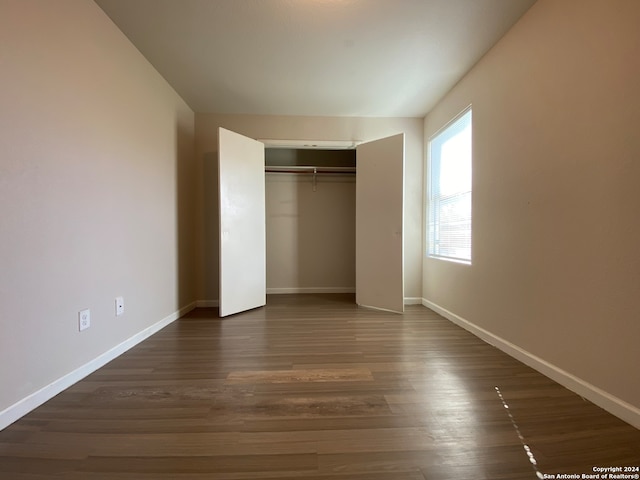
x=314, y=57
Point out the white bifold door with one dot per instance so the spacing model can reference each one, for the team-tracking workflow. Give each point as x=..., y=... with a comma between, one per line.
x=379, y=214
x=379, y=222
x=243, y=266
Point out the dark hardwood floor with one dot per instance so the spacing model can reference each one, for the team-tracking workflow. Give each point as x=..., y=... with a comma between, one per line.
x=313, y=387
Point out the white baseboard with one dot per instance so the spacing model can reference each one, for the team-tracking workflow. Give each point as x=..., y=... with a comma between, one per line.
x=278, y=291
x=207, y=303
x=412, y=301
x=612, y=404
x=33, y=401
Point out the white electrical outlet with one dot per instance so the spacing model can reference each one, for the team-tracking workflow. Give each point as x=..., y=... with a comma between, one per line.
x=119, y=306
x=84, y=319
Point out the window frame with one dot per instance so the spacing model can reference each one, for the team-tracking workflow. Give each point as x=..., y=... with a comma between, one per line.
x=429, y=194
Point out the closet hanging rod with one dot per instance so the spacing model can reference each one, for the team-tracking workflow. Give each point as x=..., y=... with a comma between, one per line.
x=307, y=169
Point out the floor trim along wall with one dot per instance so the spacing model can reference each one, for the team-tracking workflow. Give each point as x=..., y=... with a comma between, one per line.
x=33, y=401
x=621, y=409
x=278, y=291
x=207, y=303
x=412, y=301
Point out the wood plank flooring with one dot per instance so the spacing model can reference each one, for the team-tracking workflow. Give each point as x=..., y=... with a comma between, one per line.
x=313, y=387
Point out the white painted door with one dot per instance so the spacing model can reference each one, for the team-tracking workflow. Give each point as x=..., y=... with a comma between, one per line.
x=242, y=223
x=379, y=214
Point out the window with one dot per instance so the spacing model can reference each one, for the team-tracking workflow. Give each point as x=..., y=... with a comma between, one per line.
x=449, y=197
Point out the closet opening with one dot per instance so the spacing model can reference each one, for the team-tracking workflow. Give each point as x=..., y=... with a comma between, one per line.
x=343, y=236
x=310, y=203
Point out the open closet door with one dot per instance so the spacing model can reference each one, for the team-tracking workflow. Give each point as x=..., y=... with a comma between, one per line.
x=243, y=281
x=379, y=214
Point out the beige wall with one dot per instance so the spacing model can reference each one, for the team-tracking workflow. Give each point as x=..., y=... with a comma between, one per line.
x=303, y=128
x=96, y=198
x=311, y=235
x=556, y=200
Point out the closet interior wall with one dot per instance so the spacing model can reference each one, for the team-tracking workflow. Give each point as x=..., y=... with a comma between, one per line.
x=310, y=223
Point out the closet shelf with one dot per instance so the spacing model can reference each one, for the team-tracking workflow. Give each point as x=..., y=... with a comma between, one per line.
x=309, y=169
